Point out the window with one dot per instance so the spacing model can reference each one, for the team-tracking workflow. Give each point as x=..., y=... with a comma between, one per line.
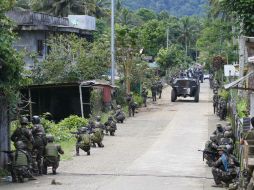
x=40, y=47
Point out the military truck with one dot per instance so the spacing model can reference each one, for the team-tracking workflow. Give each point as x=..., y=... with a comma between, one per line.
x=185, y=87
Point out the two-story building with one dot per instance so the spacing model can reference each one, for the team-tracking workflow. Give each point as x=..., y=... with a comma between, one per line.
x=34, y=29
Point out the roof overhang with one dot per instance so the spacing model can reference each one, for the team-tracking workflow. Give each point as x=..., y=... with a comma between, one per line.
x=236, y=83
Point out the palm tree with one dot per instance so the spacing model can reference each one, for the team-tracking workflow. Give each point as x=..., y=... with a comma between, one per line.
x=65, y=7
x=102, y=8
x=187, y=29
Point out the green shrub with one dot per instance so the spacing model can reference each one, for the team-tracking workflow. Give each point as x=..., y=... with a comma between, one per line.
x=241, y=108
x=225, y=94
x=138, y=99
x=73, y=122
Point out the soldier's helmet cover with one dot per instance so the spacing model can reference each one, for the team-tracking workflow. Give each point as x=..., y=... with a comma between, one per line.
x=20, y=145
x=50, y=138
x=98, y=118
x=227, y=134
x=24, y=120
x=36, y=119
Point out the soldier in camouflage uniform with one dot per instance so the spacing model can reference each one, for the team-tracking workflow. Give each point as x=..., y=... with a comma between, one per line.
x=223, y=109
x=83, y=141
x=224, y=170
x=219, y=132
x=20, y=164
x=96, y=135
x=159, y=88
x=51, y=155
x=99, y=125
x=210, y=151
x=40, y=141
x=215, y=101
x=119, y=115
x=24, y=134
x=154, y=91
x=227, y=141
x=110, y=126
x=131, y=105
x=144, y=96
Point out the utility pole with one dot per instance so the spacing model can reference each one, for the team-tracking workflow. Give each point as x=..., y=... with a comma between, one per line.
x=167, y=38
x=113, y=42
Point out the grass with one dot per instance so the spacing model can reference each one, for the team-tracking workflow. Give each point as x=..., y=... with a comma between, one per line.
x=69, y=148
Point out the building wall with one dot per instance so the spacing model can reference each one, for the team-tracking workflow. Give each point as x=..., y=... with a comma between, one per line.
x=28, y=41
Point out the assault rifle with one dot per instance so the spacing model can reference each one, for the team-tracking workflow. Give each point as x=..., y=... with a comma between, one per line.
x=212, y=154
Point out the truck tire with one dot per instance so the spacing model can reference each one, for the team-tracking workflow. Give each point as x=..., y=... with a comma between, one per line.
x=173, y=95
x=196, y=98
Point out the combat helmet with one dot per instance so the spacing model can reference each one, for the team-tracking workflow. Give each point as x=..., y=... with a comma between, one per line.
x=24, y=120
x=213, y=138
x=50, y=138
x=227, y=134
x=36, y=119
x=98, y=118
x=83, y=129
x=119, y=106
x=19, y=145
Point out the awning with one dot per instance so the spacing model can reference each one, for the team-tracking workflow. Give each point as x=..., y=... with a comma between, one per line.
x=235, y=83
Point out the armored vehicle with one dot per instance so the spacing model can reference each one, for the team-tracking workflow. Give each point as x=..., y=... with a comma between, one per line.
x=185, y=87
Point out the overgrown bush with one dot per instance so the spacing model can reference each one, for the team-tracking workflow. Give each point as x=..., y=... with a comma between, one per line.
x=60, y=131
x=138, y=99
x=242, y=108
x=224, y=94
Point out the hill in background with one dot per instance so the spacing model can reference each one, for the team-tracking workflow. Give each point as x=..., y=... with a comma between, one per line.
x=174, y=7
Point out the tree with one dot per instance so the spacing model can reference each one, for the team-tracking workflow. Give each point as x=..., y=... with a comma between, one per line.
x=188, y=29
x=243, y=10
x=11, y=65
x=146, y=14
x=172, y=57
x=65, y=7
x=73, y=59
x=153, y=36
x=127, y=51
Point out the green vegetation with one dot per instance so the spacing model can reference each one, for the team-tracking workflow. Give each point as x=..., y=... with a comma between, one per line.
x=242, y=107
x=177, y=8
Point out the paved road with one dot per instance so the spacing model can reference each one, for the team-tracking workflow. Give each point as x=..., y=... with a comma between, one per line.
x=157, y=149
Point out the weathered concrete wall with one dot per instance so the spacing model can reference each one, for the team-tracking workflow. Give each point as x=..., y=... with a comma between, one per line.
x=27, y=17
x=28, y=40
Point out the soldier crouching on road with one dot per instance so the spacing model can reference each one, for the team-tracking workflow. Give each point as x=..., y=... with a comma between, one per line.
x=51, y=156
x=20, y=168
x=224, y=169
x=83, y=141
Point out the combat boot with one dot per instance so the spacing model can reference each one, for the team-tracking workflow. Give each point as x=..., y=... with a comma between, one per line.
x=54, y=171
x=88, y=153
x=100, y=145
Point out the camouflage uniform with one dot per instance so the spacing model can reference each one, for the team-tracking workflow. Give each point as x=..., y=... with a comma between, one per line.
x=119, y=115
x=215, y=102
x=51, y=156
x=144, y=96
x=40, y=141
x=223, y=109
x=131, y=105
x=159, y=88
x=111, y=126
x=20, y=167
x=154, y=91
x=224, y=168
x=96, y=136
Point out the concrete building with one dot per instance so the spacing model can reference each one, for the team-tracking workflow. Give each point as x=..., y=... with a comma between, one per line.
x=34, y=29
